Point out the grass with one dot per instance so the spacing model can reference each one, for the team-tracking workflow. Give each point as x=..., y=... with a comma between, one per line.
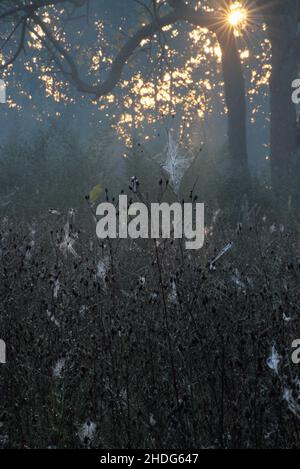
x=133, y=344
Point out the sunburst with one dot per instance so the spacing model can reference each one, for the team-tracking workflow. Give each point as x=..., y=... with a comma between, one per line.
x=237, y=16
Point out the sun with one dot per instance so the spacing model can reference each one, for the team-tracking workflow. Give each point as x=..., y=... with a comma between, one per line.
x=237, y=15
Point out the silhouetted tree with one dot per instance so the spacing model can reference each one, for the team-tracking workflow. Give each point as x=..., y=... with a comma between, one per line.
x=179, y=11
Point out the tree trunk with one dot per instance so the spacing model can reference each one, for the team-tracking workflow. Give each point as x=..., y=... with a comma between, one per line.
x=236, y=105
x=282, y=30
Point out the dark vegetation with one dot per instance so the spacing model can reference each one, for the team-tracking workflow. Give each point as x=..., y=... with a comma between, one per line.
x=129, y=344
x=158, y=354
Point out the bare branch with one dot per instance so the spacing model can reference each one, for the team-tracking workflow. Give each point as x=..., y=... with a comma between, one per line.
x=179, y=12
x=121, y=58
x=20, y=46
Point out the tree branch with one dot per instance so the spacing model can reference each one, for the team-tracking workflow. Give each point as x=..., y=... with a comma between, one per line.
x=121, y=58
x=20, y=46
x=180, y=12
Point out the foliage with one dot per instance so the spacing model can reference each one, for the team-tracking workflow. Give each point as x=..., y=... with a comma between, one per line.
x=156, y=350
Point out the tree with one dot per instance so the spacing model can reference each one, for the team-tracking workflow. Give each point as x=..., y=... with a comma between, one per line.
x=282, y=27
x=235, y=101
x=27, y=15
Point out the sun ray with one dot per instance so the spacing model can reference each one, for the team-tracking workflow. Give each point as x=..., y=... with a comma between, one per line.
x=237, y=15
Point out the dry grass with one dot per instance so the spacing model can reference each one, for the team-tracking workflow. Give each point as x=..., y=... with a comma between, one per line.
x=150, y=348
